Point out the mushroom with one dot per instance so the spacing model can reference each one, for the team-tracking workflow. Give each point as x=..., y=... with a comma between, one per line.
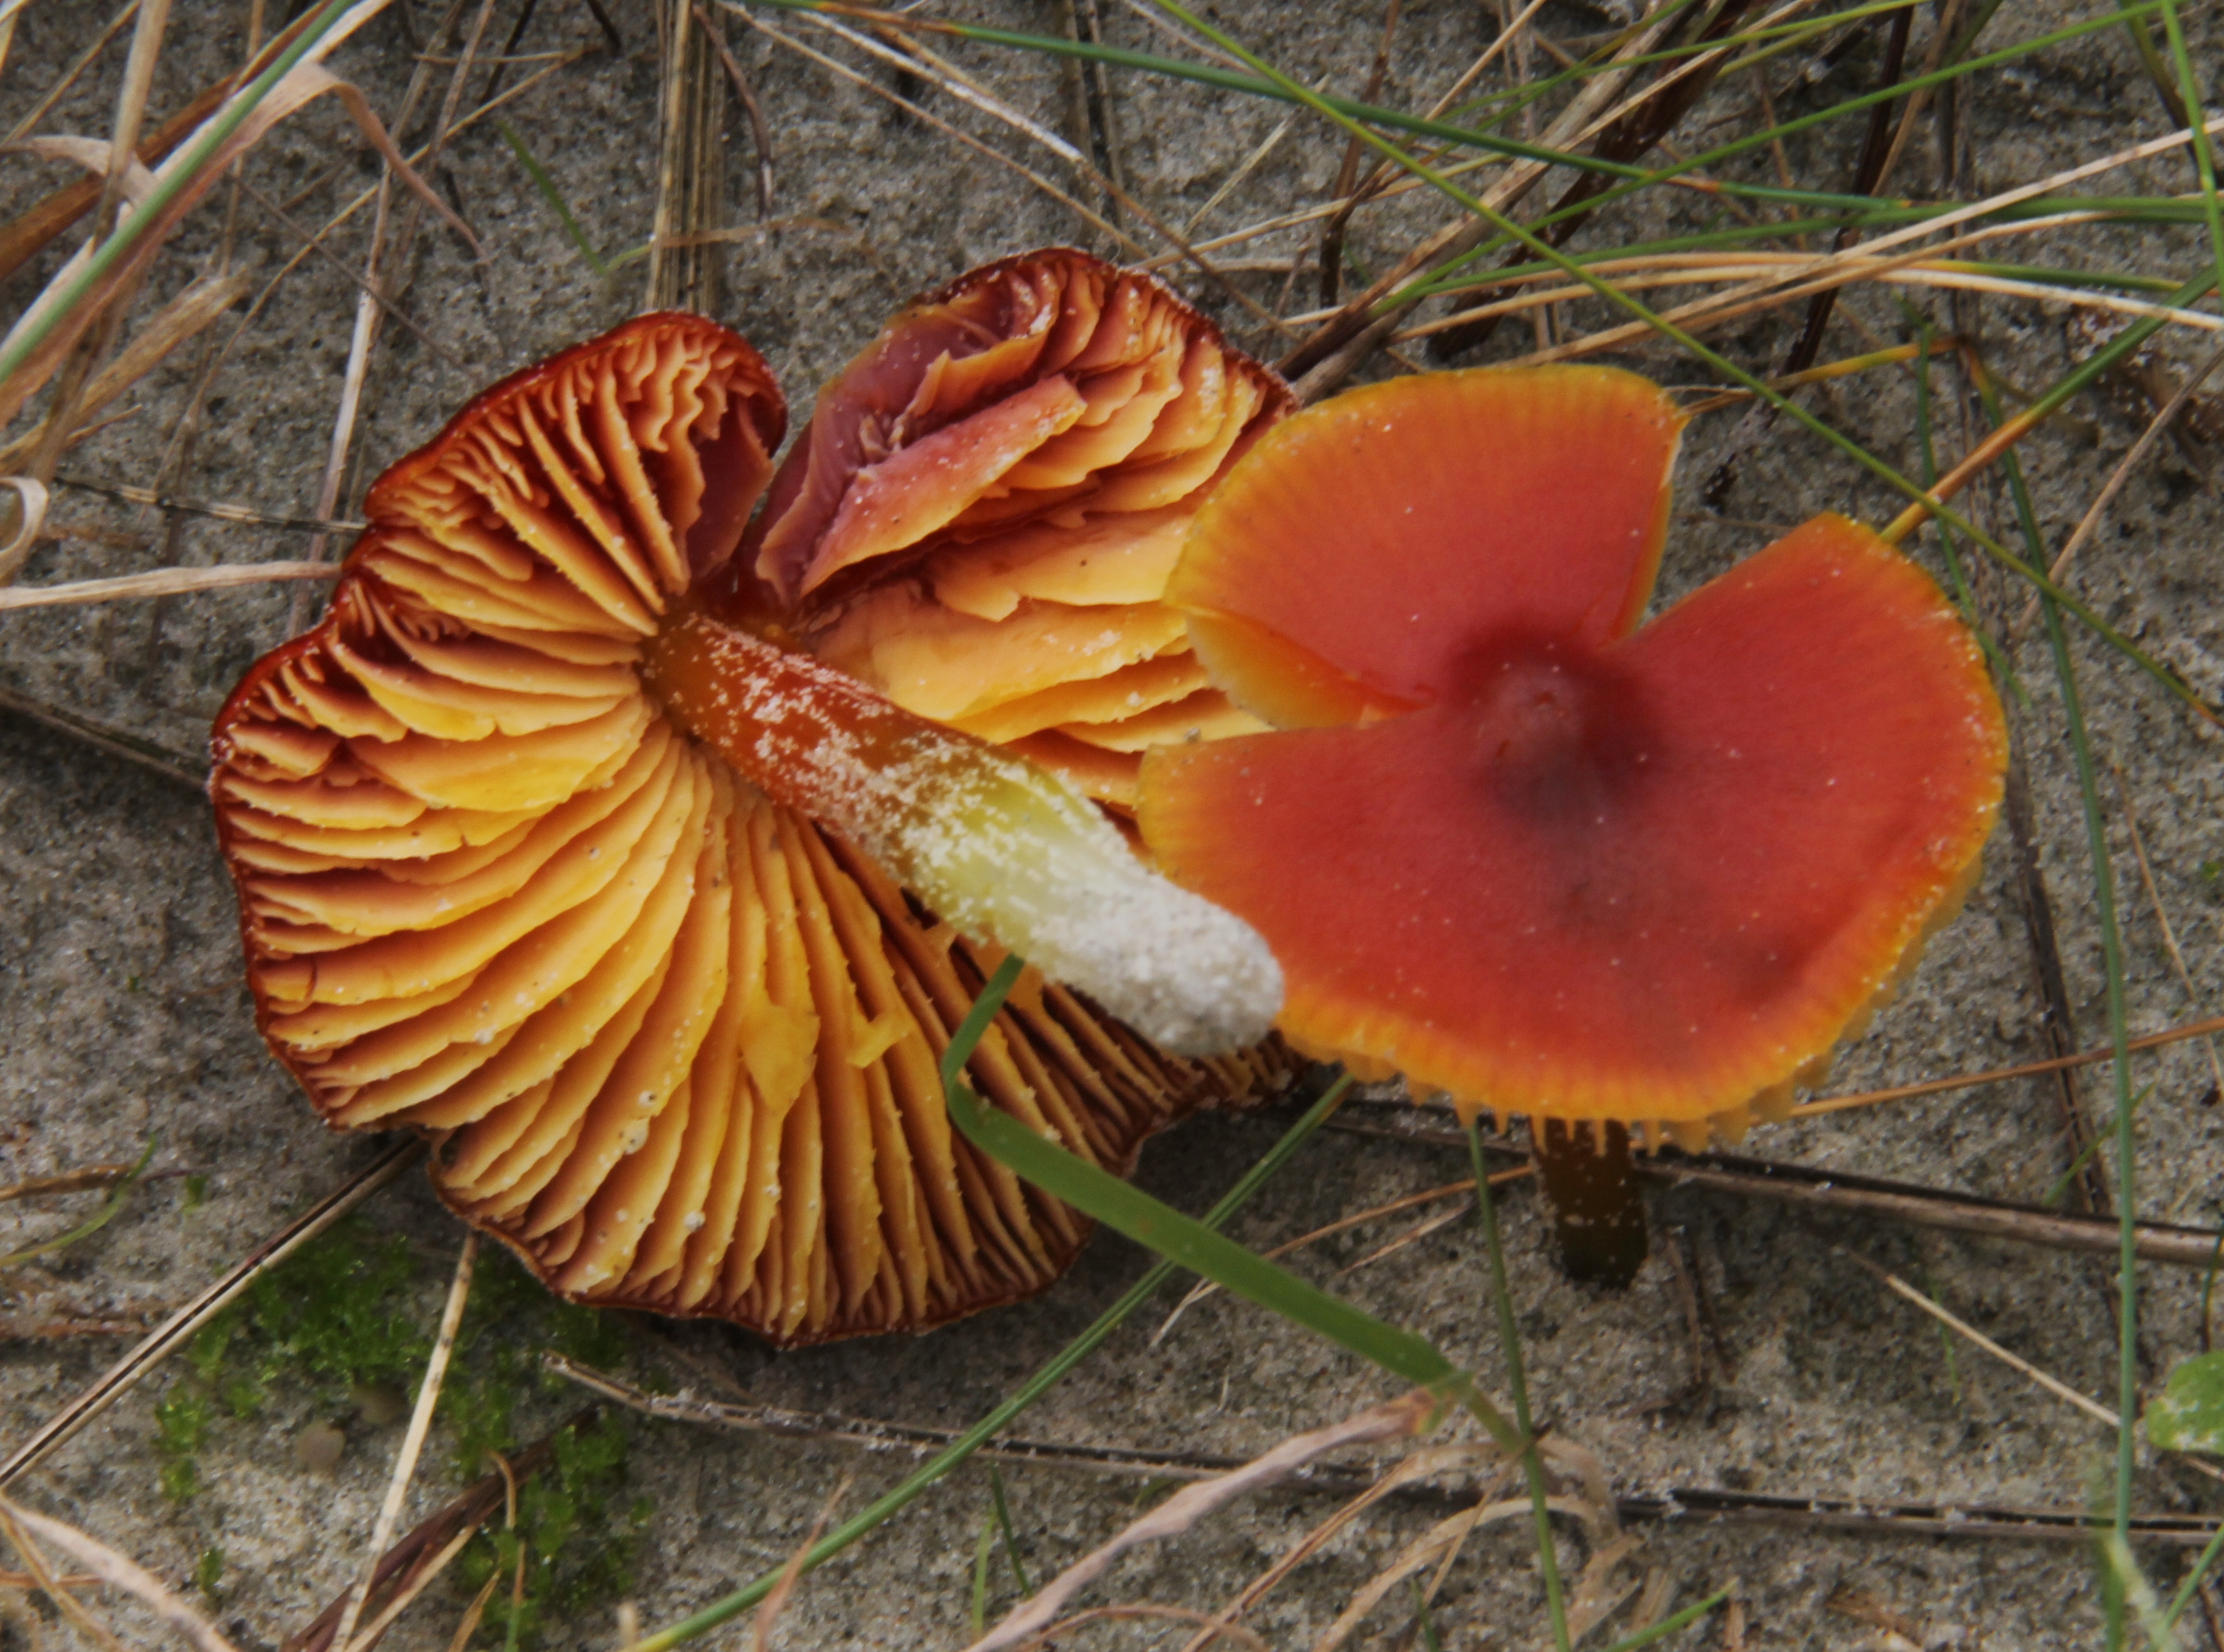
x=517, y=869
x=979, y=518
x=1509, y=842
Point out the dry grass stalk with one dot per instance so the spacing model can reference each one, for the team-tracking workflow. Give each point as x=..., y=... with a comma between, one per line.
x=759, y=131
x=417, y=157
x=2203, y=1028
x=120, y=1377
x=1205, y=1288
x=1415, y=1466
x=1213, y=1631
x=123, y=493
x=691, y=171
x=1337, y=348
x=2162, y=915
x=122, y=1573
x=122, y=175
x=163, y=582
x=1968, y=1332
x=184, y=317
x=469, y=1624
x=1439, y=1544
x=413, y=1442
x=69, y=1181
x=2158, y=427
x=406, y=1596
x=70, y=1606
x=761, y=1627
x=69, y=76
x=1400, y=1418
x=1788, y=284
x=79, y=298
x=369, y=308
x=31, y=499
x=403, y=1569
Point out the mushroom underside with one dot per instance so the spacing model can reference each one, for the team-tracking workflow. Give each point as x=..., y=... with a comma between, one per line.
x=675, y=1044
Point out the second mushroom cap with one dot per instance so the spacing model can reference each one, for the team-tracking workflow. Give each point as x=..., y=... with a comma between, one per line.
x=1513, y=843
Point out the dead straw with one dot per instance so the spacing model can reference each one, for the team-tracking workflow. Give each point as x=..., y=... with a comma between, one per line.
x=413, y=1442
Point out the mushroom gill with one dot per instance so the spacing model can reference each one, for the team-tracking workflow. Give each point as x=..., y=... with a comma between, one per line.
x=979, y=518
x=675, y=1042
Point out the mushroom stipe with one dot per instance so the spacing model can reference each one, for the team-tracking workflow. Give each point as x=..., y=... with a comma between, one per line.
x=675, y=1040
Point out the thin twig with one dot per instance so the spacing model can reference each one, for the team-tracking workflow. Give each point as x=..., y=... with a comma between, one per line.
x=314, y=241
x=117, y=743
x=908, y=1438
x=1834, y=1190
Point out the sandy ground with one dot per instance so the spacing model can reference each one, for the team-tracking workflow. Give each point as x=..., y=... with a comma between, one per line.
x=121, y=1012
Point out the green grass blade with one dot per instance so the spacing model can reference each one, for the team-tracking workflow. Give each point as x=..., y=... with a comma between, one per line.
x=1003, y=1508
x=554, y=197
x=2204, y=158
x=1509, y=1342
x=2202, y=1565
x=92, y=1225
x=1187, y=1241
x=2033, y=575
x=168, y=184
x=1276, y=88
x=982, y=1550
x=937, y=1467
x=1669, y=1625
x=2085, y=1155
x=2111, y=954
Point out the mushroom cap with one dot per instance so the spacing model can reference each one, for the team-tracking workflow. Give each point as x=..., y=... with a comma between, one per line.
x=1517, y=845
x=980, y=517
x=676, y=1044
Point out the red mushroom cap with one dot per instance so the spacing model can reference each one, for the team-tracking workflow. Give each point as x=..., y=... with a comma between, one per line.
x=1514, y=844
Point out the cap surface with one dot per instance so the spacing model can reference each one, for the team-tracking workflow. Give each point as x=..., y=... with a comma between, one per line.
x=979, y=518
x=1518, y=847
x=675, y=1044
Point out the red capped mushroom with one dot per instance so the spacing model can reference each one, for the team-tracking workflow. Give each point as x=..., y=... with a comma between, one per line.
x=1511, y=842
x=518, y=869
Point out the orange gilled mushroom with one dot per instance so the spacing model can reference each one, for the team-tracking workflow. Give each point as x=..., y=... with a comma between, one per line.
x=979, y=518
x=1516, y=845
x=508, y=877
